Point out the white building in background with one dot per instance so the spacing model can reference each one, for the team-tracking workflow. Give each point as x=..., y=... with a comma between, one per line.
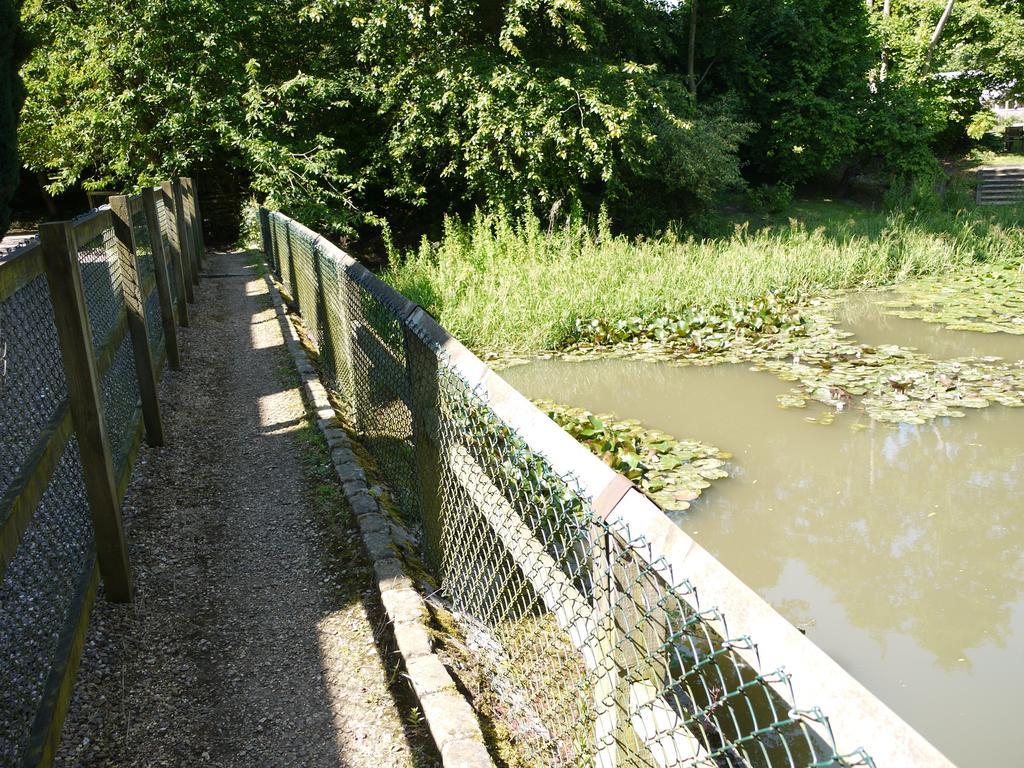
x=1007, y=105
x=1010, y=109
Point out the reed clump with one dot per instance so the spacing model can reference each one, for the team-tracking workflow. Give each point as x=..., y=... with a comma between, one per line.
x=518, y=285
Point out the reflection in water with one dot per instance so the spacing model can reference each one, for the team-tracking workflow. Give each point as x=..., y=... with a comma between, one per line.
x=898, y=548
x=860, y=313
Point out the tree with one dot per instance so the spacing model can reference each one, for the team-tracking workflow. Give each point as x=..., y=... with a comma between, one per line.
x=346, y=112
x=937, y=34
x=798, y=70
x=11, y=98
x=691, y=51
x=536, y=103
x=123, y=92
x=951, y=54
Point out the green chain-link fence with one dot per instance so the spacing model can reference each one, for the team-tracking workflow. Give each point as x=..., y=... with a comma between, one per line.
x=609, y=637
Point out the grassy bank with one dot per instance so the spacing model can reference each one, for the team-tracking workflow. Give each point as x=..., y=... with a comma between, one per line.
x=520, y=286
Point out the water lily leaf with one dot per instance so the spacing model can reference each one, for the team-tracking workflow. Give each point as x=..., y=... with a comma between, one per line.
x=685, y=495
x=656, y=462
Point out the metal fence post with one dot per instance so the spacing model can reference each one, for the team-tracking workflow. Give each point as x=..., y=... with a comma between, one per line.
x=60, y=255
x=424, y=404
x=173, y=219
x=605, y=696
x=124, y=235
x=163, y=279
x=293, y=280
x=267, y=240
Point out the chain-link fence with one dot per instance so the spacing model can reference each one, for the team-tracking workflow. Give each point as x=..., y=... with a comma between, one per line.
x=66, y=352
x=607, y=635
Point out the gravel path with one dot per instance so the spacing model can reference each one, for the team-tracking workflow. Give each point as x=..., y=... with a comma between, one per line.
x=255, y=636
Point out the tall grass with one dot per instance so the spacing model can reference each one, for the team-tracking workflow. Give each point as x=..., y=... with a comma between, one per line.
x=515, y=285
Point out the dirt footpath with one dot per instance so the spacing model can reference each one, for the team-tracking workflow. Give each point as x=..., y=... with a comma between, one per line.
x=253, y=639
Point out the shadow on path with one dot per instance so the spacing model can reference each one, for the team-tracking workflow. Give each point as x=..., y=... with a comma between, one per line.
x=253, y=640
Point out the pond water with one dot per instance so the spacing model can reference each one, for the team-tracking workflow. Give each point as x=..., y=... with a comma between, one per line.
x=900, y=549
x=862, y=314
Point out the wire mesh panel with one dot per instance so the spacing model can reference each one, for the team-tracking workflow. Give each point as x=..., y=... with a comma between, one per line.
x=172, y=267
x=361, y=341
x=595, y=652
x=599, y=658
x=120, y=393
x=36, y=594
x=154, y=325
x=146, y=270
x=282, y=247
x=305, y=278
x=511, y=537
x=381, y=392
x=103, y=282
x=31, y=377
x=143, y=248
x=334, y=332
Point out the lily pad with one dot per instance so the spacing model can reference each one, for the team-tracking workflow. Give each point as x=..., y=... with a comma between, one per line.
x=672, y=473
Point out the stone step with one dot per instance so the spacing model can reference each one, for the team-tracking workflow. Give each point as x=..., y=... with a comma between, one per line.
x=1009, y=189
x=1003, y=184
x=1001, y=190
x=997, y=200
x=1005, y=174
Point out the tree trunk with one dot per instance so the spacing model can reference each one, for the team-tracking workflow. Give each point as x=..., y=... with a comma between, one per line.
x=691, y=74
x=938, y=33
x=883, y=69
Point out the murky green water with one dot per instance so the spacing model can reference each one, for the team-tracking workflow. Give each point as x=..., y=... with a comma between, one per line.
x=862, y=315
x=900, y=549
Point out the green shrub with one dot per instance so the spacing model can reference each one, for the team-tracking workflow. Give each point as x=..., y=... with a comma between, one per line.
x=772, y=198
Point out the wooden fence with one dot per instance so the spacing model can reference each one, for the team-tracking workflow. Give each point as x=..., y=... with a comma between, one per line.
x=89, y=312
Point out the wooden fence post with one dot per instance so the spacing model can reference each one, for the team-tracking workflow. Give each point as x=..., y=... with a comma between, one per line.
x=188, y=241
x=163, y=279
x=197, y=219
x=182, y=273
x=182, y=236
x=124, y=236
x=60, y=255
